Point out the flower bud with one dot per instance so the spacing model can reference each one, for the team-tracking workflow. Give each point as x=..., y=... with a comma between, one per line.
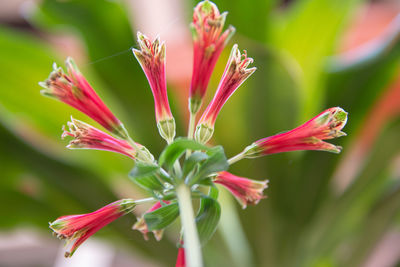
x=74, y=90
x=309, y=136
x=246, y=191
x=180, y=259
x=151, y=58
x=208, y=43
x=88, y=137
x=141, y=225
x=78, y=228
x=236, y=72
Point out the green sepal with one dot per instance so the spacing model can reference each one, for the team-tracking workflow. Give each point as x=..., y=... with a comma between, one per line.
x=162, y=217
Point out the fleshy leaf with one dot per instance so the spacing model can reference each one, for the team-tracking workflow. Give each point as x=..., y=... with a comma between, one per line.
x=215, y=163
x=176, y=149
x=162, y=217
x=144, y=175
x=207, y=218
x=192, y=161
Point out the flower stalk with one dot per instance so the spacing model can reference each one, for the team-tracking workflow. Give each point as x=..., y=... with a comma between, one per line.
x=236, y=158
x=192, y=125
x=190, y=235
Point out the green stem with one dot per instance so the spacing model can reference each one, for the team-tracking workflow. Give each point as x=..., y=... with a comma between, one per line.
x=177, y=168
x=144, y=200
x=236, y=158
x=192, y=121
x=190, y=235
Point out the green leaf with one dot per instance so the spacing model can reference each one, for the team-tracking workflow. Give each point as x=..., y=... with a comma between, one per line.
x=192, y=161
x=162, y=217
x=144, y=175
x=142, y=169
x=176, y=149
x=207, y=218
x=214, y=192
x=215, y=163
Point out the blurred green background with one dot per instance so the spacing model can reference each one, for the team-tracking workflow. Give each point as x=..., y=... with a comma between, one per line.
x=322, y=209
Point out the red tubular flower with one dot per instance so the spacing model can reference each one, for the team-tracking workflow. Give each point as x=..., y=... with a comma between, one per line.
x=74, y=90
x=141, y=225
x=208, y=43
x=180, y=260
x=151, y=58
x=78, y=228
x=246, y=191
x=88, y=137
x=309, y=136
x=236, y=72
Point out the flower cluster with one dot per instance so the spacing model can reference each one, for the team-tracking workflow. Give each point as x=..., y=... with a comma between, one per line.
x=175, y=179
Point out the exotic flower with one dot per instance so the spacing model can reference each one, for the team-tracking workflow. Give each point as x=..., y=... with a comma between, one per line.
x=78, y=228
x=88, y=137
x=141, y=224
x=236, y=72
x=309, y=136
x=208, y=43
x=246, y=191
x=151, y=58
x=74, y=90
x=174, y=177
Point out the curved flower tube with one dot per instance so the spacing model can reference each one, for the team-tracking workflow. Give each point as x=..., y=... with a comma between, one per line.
x=78, y=228
x=74, y=90
x=88, y=137
x=236, y=72
x=246, y=191
x=152, y=59
x=208, y=43
x=141, y=224
x=327, y=125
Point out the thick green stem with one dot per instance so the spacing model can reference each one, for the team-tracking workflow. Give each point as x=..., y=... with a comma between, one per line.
x=190, y=235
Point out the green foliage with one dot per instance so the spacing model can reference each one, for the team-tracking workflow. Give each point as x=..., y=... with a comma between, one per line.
x=176, y=149
x=146, y=176
x=162, y=217
x=216, y=162
x=208, y=216
x=193, y=161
